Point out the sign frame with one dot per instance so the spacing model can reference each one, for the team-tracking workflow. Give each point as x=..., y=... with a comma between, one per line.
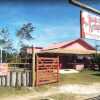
x=89, y=26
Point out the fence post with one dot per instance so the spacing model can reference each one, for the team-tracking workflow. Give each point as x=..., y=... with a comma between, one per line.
x=33, y=66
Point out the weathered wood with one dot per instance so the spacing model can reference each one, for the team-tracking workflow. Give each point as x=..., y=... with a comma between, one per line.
x=13, y=82
x=19, y=79
x=33, y=66
x=8, y=79
x=24, y=78
x=30, y=79
x=3, y=81
x=16, y=78
x=0, y=81
x=16, y=83
x=47, y=70
x=18, y=63
x=27, y=79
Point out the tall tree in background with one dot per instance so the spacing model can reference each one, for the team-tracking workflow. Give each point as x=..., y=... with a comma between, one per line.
x=24, y=33
x=5, y=41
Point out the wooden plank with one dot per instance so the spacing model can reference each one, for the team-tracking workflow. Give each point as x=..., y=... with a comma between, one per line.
x=0, y=81
x=33, y=66
x=58, y=68
x=8, y=79
x=24, y=78
x=16, y=83
x=3, y=80
x=18, y=63
x=19, y=79
x=30, y=79
x=46, y=58
x=13, y=79
x=27, y=78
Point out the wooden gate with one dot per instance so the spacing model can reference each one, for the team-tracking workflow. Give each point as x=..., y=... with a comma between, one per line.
x=47, y=70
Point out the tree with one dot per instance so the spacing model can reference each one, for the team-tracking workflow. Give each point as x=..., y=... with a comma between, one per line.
x=24, y=33
x=5, y=41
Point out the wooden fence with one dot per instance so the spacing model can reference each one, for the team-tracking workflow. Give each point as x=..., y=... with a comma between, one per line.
x=17, y=77
x=47, y=70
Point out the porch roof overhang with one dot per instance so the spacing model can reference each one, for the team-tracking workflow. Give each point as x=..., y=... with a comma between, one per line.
x=70, y=51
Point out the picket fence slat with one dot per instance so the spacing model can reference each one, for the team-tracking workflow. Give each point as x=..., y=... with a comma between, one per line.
x=0, y=81
x=8, y=79
x=19, y=78
x=16, y=78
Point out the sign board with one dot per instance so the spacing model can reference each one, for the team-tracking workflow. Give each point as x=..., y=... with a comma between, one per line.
x=90, y=26
x=3, y=69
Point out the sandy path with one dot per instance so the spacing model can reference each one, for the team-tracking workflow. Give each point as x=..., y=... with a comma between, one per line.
x=81, y=90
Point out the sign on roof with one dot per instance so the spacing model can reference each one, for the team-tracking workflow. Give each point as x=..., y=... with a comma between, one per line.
x=90, y=26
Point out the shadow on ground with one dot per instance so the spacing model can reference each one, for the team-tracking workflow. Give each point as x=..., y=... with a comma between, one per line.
x=94, y=98
x=96, y=74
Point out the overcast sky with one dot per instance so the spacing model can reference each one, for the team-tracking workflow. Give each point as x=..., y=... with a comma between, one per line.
x=55, y=20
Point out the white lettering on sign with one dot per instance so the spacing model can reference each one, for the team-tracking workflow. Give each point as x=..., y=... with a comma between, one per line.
x=90, y=26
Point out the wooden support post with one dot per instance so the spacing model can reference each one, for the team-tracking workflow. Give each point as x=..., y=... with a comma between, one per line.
x=1, y=55
x=33, y=66
x=58, y=68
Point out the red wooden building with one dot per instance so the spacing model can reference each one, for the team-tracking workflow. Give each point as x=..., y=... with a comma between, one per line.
x=72, y=53
x=66, y=55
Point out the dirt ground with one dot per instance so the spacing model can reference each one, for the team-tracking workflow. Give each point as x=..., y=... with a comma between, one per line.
x=82, y=92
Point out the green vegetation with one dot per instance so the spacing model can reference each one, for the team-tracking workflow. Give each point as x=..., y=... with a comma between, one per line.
x=63, y=97
x=97, y=58
x=5, y=40
x=9, y=91
x=25, y=34
x=60, y=96
x=9, y=51
x=84, y=77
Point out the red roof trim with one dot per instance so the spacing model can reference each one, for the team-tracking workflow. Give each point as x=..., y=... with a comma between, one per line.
x=81, y=41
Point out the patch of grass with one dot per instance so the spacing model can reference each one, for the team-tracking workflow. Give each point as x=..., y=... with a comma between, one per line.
x=45, y=87
x=9, y=91
x=60, y=96
x=63, y=97
x=84, y=77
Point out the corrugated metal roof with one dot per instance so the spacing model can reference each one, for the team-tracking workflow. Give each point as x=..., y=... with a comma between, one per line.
x=69, y=51
x=65, y=43
x=57, y=45
x=68, y=48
